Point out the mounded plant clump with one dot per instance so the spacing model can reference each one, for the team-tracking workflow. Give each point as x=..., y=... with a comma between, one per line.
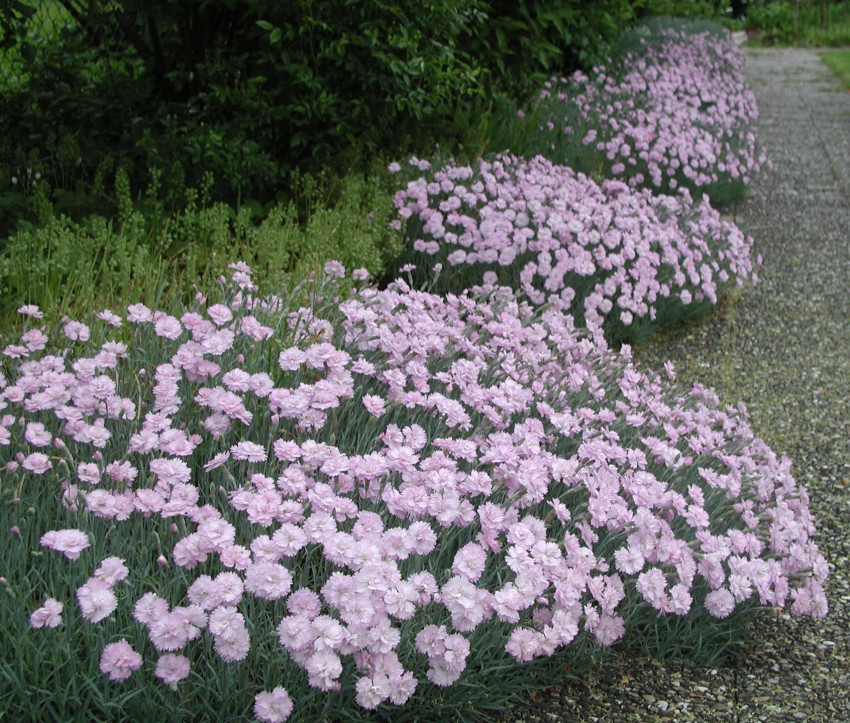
x=672, y=110
x=393, y=506
x=623, y=259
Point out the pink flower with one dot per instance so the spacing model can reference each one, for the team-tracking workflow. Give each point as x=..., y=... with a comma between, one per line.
x=224, y=620
x=291, y=359
x=295, y=633
x=229, y=588
x=37, y=463
x=609, y=629
x=149, y=608
x=304, y=602
x=171, y=631
x=334, y=269
x=720, y=603
x=268, y=580
x=220, y=314
x=274, y=706
x=109, y=317
x=652, y=585
x=470, y=561
x=35, y=339
x=170, y=471
x=217, y=461
x=374, y=404
x=96, y=600
x=323, y=670
x=629, y=560
x=167, y=326
x=119, y=661
x=77, y=331
x=69, y=542
x=31, y=310
x=37, y=435
x=523, y=644
x=372, y=691
x=47, y=616
x=111, y=571
x=139, y=313
x=171, y=668
x=233, y=647
x=248, y=451
x=204, y=593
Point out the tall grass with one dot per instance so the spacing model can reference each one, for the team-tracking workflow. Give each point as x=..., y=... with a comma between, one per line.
x=839, y=62
x=68, y=267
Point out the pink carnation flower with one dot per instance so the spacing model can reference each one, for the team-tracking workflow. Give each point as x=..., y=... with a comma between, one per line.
x=111, y=571
x=31, y=310
x=274, y=706
x=47, y=616
x=334, y=269
x=77, y=331
x=96, y=600
x=720, y=603
x=171, y=668
x=119, y=661
x=374, y=404
x=69, y=542
x=37, y=463
x=248, y=451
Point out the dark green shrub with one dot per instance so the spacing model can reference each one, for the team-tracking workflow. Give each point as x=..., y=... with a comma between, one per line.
x=522, y=44
x=775, y=21
x=244, y=89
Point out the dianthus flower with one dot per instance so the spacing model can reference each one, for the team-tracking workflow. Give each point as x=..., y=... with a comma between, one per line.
x=119, y=661
x=48, y=615
x=96, y=600
x=69, y=542
x=274, y=706
x=171, y=668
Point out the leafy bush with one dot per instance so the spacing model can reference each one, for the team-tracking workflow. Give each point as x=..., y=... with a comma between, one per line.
x=627, y=261
x=674, y=113
x=522, y=44
x=246, y=91
x=395, y=507
x=776, y=21
x=784, y=23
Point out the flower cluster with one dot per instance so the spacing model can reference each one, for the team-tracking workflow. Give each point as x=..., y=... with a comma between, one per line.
x=674, y=112
x=557, y=235
x=404, y=473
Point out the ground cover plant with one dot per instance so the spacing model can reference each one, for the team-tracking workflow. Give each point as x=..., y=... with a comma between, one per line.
x=670, y=110
x=625, y=260
x=395, y=505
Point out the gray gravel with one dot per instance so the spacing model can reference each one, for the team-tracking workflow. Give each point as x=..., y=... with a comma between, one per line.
x=783, y=348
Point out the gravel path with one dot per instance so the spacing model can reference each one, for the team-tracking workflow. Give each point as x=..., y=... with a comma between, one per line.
x=783, y=348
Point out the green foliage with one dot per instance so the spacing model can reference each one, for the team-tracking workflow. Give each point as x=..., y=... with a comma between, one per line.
x=246, y=91
x=70, y=267
x=839, y=62
x=808, y=22
x=523, y=43
x=250, y=90
x=775, y=21
x=707, y=9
